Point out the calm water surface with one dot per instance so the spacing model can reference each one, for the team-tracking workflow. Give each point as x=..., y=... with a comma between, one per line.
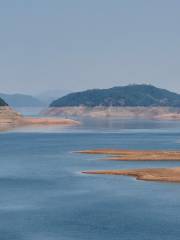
x=44, y=196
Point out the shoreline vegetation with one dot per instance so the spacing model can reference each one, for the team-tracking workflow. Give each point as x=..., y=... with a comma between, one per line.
x=10, y=119
x=148, y=174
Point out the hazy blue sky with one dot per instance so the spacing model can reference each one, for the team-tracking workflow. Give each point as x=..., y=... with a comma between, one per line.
x=78, y=44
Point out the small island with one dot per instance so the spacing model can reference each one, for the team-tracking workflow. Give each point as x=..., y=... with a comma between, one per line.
x=133, y=95
x=135, y=101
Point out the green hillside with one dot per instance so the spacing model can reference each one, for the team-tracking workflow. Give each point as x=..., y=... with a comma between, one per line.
x=131, y=95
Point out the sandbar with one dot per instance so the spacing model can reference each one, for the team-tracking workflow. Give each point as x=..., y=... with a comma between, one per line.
x=149, y=174
x=136, y=155
x=48, y=121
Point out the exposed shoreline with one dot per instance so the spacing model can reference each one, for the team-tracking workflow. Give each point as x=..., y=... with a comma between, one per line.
x=10, y=119
x=135, y=155
x=148, y=113
x=149, y=174
x=48, y=121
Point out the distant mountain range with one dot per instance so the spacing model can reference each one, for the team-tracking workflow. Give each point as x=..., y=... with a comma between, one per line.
x=131, y=95
x=21, y=100
x=51, y=95
x=25, y=100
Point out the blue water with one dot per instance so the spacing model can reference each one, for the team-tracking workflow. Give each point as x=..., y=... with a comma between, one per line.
x=44, y=196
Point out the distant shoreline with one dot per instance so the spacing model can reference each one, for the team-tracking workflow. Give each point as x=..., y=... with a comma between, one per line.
x=148, y=113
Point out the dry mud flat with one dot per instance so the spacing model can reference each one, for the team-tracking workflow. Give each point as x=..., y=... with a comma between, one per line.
x=148, y=174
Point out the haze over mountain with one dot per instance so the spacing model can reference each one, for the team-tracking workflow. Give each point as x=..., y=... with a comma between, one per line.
x=130, y=95
x=88, y=44
x=48, y=96
x=21, y=100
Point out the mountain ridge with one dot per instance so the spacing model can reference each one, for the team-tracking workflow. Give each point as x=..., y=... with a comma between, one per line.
x=21, y=100
x=131, y=95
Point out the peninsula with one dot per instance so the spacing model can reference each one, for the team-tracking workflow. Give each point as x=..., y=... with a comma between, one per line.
x=9, y=119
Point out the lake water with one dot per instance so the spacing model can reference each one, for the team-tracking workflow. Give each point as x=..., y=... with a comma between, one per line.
x=44, y=196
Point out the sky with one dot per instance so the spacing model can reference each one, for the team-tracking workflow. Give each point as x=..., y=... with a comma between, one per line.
x=80, y=44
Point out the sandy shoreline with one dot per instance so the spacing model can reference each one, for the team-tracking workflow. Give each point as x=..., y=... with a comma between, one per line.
x=48, y=121
x=149, y=174
x=148, y=113
x=10, y=119
x=136, y=155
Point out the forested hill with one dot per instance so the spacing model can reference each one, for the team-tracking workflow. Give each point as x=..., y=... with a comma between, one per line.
x=2, y=103
x=131, y=95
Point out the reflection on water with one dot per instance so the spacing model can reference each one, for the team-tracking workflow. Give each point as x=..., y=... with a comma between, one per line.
x=109, y=125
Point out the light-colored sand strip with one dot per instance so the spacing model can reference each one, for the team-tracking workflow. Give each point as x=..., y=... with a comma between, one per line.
x=48, y=121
